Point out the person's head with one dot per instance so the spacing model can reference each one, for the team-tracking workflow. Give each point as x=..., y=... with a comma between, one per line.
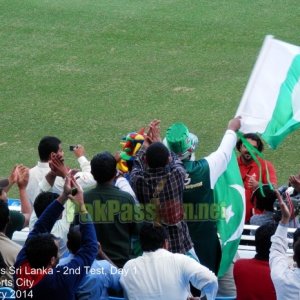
x=263, y=240
x=296, y=236
x=74, y=239
x=266, y=201
x=254, y=140
x=48, y=145
x=181, y=141
x=42, y=201
x=157, y=155
x=3, y=184
x=103, y=167
x=4, y=215
x=42, y=251
x=296, y=255
x=153, y=236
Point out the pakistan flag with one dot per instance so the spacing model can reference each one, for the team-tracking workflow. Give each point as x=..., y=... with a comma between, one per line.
x=229, y=193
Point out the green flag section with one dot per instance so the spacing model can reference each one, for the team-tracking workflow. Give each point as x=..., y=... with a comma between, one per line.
x=271, y=101
x=229, y=193
x=286, y=115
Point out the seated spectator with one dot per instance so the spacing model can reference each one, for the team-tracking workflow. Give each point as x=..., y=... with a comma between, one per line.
x=39, y=256
x=265, y=204
x=102, y=274
x=8, y=249
x=61, y=226
x=286, y=280
x=17, y=219
x=252, y=276
x=160, y=274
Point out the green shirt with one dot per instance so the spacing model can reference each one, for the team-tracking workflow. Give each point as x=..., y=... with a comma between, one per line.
x=112, y=213
x=200, y=213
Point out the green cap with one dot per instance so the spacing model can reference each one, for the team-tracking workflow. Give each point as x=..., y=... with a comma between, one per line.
x=178, y=138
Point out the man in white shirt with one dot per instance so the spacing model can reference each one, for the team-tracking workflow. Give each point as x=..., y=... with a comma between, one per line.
x=160, y=274
x=41, y=179
x=286, y=280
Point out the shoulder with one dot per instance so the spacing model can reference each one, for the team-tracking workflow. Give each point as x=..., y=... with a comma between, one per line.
x=122, y=195
x=7, y=244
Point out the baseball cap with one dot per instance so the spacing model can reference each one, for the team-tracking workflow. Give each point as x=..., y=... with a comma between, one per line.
x=4, y=183
x=180, y=140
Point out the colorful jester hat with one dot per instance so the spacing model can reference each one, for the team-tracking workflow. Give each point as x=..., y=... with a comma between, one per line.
x=130, y=146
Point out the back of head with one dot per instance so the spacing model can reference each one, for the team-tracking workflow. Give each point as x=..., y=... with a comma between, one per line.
x=40, y=249
x=181, y=141
x=266, y=201
x=152, y=236
x=47, y=145
x=157, y=155
x=263, y=240
x=74, y=239
x=296, y=236
x=296, y=256
x=4, y=215
x=253, y=137
x=103, y=167
x=42, y=201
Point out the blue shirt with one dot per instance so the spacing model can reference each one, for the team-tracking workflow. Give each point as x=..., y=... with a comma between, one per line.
x=100, y=277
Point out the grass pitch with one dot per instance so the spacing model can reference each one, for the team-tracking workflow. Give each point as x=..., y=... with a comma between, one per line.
x=89, y=71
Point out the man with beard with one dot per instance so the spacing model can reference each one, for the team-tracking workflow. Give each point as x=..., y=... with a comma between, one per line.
x=250, y=170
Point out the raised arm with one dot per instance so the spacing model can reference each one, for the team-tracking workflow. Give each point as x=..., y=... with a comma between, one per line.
x=89, y=245
x=219, y=159
x=22, y=181
x=278, y=259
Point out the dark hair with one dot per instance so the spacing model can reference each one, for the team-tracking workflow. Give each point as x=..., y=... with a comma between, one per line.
x=253, y=137
x=74, y=239
x=296, y=236
x=4, y=215
x=42, y=201
x=263, y=240
x=40, y=249
x=152, y=236
x=264, y=202
x=296, y=256
x=103, y=167
x=47, y=145
x=157, y=155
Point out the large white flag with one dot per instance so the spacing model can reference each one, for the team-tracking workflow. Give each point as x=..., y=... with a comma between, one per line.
x=271, y=102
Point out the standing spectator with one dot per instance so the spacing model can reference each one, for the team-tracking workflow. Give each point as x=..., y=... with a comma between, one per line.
x=250, y=170
x=201, y=178
x=286, y=280
x=249, y=272
x=106, y=201
x=159, y=274
x=157, y=177
x=42, y=178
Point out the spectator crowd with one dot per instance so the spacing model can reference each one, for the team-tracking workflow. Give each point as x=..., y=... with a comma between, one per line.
x=117, y=225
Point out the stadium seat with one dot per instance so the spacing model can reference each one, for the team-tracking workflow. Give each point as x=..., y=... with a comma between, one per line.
x=7, y=293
